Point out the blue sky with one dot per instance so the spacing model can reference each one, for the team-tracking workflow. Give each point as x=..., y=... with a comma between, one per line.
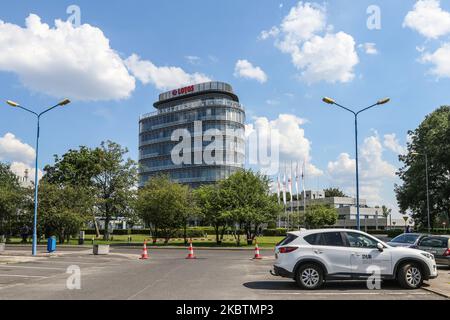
x=407, y=63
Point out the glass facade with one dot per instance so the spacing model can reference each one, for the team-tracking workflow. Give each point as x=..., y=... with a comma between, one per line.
x=203, y=125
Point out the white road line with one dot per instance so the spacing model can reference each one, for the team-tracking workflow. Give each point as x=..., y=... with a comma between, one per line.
x=68, y=263
x=28, y=267
x=21, y=276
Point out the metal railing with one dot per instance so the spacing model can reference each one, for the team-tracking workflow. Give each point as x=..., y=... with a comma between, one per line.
x=193, y=105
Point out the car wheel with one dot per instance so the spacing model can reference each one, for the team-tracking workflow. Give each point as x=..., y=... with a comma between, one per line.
x=309, y=277
x=410, y=276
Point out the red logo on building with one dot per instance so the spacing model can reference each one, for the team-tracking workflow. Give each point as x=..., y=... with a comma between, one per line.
x=184, y=90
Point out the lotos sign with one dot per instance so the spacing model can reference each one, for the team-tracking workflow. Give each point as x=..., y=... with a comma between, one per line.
x=184, y=90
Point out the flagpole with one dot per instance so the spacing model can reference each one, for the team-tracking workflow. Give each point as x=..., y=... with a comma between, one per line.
x=284, y=193
x=304, y=191
x=291, y=191
x=298, y=199
x=278, y=196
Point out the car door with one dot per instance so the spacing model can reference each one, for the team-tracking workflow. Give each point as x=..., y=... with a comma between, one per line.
x=434, y=245
x=330, y=247
x=365, y=257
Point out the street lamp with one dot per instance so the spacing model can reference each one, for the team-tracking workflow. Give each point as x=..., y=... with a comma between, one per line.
x=332, y=102
x=428, y=189
x=36, y=181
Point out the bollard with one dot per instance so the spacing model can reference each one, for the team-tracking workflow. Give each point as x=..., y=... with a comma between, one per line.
x=81, y=238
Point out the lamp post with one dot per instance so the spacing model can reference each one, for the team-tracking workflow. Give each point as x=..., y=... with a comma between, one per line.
x=36, y=180
x=427, y=186
x=356, y=114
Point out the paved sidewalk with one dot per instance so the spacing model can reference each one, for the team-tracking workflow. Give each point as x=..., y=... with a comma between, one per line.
x=440, y=285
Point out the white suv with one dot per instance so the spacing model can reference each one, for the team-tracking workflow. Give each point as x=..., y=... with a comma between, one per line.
x=312, y=256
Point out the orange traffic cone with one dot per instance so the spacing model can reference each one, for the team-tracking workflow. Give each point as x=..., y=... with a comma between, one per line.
x=191, y=251
x=144, y=255
x=257, y=254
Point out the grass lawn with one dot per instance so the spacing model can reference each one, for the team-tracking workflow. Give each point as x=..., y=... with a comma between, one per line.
x=138, y=239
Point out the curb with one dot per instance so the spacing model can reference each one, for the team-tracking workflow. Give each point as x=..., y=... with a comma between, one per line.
x=438, y=292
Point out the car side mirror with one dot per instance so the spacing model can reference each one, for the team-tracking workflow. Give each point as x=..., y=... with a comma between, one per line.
x=380, y=247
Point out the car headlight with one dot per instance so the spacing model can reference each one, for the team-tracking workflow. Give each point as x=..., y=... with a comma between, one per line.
x=429, y=256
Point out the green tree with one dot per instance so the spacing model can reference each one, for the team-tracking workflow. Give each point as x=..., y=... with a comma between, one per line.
x=164, y=205
x=104, y=173
x=386, y=212
x=63, y=210
x=334, y=192
x=14, y=200
x=210, y=206
x=318, y=216
x=245, y=197
x=432, y=138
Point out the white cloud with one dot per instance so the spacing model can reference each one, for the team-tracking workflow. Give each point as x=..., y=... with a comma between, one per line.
x=162, y=78
x=428, y=19
x=372, y=163
x=25, y=172
x=244, y=69
x=14, y=150
x=272, y=102
x=369, y=48
x=343, y=167
x=302, y=23
x=265, y=34
x=318, y=52
x=375, y=172
x=19, y=155
x=330, y=58
x=441, y=61
x=64, y=61
x=391, y=142
x=194, y=60
x=293, y=144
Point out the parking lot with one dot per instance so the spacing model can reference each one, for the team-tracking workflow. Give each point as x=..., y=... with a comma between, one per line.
x=215, y=274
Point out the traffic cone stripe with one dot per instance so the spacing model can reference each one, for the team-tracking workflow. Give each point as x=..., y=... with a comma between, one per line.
x=191, y=251
x=257, y=254
x=144, y=255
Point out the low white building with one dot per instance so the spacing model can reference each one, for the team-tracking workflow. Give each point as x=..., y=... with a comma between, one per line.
x=370, y=217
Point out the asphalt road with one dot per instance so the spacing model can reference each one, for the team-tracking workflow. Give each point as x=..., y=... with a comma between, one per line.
x=215, y=274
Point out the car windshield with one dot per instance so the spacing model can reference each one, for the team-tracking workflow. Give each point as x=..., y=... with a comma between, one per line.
x=406, y=238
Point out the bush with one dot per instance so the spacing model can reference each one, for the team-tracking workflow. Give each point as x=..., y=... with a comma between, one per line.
x=121, y=232
x=437, y=231
x=140, y=231
x=279, y=232
x=90, y=232
x=377, y=232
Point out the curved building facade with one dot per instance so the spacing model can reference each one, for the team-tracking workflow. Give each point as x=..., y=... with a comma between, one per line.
x=196, y=136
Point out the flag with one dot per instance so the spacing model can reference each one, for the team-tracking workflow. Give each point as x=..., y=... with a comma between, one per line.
x=284, y=188
x=290, y=185
x=278, y=188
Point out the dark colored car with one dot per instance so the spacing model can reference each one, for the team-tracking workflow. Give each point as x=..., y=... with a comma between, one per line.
x=407, y=240
x=439, y=246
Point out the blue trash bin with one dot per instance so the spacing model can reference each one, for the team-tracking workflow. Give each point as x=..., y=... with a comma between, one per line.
x=51, y=244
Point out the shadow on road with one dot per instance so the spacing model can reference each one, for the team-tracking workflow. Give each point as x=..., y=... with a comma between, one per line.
x=329, y=285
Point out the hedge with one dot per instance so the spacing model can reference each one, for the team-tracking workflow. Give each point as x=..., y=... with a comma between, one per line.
x=392, y=233
x=278, y=232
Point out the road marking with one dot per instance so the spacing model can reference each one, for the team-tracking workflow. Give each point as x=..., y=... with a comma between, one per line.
x=20, y=276
x=28, y=267
x=69, y=262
